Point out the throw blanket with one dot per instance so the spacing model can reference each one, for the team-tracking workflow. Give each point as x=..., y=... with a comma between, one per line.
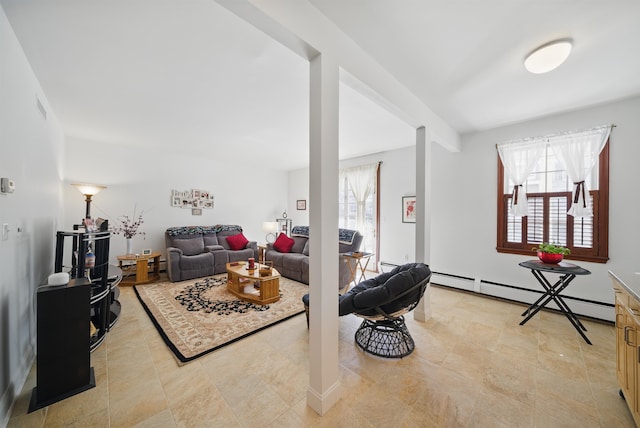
x=204, y=230
x=300, y=231
x=345, y=236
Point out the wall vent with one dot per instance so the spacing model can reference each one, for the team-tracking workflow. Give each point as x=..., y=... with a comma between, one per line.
x=43, y=112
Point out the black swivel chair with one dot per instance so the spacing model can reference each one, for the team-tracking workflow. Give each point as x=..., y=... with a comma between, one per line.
x=382, y=302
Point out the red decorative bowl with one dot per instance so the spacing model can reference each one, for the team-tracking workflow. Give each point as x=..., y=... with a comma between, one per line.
x=549, y=257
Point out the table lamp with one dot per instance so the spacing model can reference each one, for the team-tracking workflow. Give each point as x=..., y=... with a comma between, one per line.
x=270, y=227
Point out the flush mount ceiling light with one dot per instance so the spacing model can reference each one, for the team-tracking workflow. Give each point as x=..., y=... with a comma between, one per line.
x=548, y=56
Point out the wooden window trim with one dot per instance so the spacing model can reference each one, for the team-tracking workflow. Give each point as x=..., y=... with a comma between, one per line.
x=599, y=254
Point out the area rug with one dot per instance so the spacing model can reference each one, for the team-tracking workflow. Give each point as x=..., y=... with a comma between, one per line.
x=199, y=316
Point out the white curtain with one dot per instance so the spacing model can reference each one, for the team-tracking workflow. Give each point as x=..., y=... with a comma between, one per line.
x=579, y=152
x=519, y=159
x=361, y=180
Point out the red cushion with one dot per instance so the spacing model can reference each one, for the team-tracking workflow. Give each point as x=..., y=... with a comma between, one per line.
x=237, y=242
x=283, y=244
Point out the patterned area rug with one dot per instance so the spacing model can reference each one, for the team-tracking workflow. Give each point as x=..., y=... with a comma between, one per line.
x=199, y=316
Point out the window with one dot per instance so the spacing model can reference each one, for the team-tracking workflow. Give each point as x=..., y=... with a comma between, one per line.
x=364, y=216
x=549, y=193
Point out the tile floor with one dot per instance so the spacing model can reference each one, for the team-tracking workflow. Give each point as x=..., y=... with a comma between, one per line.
x=473, y=366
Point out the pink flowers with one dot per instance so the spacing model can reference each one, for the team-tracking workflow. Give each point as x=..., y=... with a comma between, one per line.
x=128, y=227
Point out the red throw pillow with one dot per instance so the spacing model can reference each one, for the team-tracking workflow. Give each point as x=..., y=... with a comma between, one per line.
x=283, y=244
x=237, y=242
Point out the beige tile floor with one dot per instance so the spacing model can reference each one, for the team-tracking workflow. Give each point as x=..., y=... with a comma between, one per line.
x=473, y=366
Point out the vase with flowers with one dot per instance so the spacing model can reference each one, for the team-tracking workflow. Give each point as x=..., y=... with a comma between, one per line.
x=128, y=226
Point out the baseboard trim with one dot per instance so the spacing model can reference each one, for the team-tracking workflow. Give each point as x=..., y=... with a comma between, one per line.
x=321, y=403
x=589, y=309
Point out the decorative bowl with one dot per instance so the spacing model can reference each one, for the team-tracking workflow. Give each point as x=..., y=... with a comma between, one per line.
x=550, y=258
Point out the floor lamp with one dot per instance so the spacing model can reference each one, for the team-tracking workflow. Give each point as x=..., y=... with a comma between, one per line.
x=88, y=190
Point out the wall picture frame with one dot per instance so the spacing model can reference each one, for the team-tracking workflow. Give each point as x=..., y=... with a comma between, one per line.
x=146, y=251
x=408, y=209
x=301, y=204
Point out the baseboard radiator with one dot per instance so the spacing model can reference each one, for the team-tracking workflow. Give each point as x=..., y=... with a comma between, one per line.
x=587, y=308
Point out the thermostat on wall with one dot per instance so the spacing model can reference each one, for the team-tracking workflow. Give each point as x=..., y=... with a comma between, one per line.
x=7, y=185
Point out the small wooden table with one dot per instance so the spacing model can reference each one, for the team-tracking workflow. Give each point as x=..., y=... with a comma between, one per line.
x=142, y=268
x=262, y=252
x=357, y=258
x=250, y=286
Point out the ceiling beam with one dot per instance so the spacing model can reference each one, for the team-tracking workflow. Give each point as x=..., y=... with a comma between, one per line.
x=302, y=28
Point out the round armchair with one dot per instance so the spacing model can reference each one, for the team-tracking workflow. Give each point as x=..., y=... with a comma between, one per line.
x=382, y=302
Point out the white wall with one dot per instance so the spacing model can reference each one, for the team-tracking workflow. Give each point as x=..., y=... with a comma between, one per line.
x=463, y=224
x=464, y=205
x=144, y=179
x=30, y=153
x=397, y=179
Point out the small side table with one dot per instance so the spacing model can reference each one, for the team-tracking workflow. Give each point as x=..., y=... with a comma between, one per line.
x=142, y=268
x=354, y=260
x=567, y=272
x=262, y=252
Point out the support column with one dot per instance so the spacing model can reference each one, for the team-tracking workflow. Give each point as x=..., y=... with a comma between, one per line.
x=324, y=385
x=423, y=214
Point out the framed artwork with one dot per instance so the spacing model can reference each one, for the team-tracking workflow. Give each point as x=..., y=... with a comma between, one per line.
x=301, y=204
x=193, y=198
x=408, y=209
x=196, y=211
x=146, y=251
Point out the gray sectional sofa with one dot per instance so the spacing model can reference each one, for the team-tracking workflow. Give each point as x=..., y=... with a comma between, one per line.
x=197, y=251
x=295, y=264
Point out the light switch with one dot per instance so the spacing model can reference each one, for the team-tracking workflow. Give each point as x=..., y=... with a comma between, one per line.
x=5, y=231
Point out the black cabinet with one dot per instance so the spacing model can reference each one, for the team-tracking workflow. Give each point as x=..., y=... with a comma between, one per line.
x=73, y=319
x=63, y=360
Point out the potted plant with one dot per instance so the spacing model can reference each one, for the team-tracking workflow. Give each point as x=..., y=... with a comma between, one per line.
x=549, y=252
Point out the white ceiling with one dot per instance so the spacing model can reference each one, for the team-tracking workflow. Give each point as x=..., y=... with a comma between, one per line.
x=190, y=75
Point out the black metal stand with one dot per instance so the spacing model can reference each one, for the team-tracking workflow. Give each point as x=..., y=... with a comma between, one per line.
x=567, y=273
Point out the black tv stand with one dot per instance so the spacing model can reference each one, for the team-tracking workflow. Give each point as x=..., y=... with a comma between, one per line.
x=73, y=319
x=63, y=358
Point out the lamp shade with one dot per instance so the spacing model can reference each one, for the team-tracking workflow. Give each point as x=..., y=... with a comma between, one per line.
x=270, y=227
x=548, y=56
x=88, y=189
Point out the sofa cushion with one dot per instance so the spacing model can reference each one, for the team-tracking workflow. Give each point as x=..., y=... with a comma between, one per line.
x=298, y=244
x=293, y=261
x=238, y=255
x=210, y=239
x=190, y=246
x=305, y=250
x=283, y=243
x=237, y=242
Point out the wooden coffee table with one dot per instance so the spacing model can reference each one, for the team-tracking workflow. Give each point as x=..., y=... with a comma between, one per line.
x=250, y=286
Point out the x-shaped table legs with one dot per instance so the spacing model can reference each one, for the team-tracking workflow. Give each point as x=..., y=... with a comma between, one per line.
x=552, y=292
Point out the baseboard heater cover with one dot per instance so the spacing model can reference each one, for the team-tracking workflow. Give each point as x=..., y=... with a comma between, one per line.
x=597, y=310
